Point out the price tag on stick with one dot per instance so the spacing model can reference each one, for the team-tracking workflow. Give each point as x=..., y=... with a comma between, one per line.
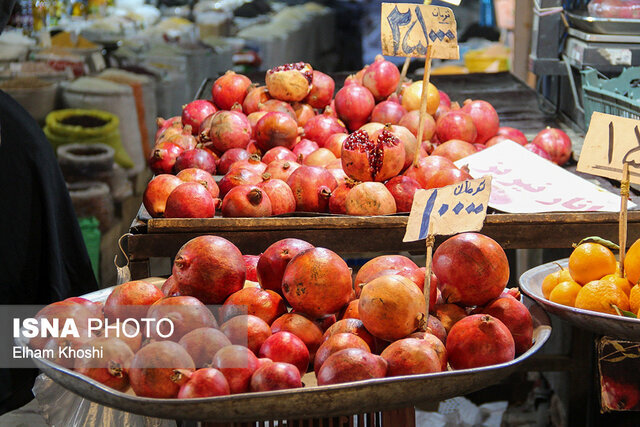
x=612, y=149
x=419, y=30
x=445, y=211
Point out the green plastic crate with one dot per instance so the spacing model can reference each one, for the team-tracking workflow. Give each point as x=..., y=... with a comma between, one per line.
x=619, y=96
x=91, y=237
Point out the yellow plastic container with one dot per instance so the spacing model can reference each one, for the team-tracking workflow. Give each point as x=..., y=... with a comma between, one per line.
x=486, y=61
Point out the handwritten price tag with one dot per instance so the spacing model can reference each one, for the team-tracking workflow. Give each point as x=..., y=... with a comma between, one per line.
x=407, y=29
x=610, y=142
x=449, y=210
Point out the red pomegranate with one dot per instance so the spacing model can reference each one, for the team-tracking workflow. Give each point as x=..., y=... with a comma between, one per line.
x=411, y=121
x=335, y=343
x=275, y=105
x=246, y=330
x=411, y=356
x=253, y=163
x=402, y=188
x=351, y=364
x=279, y=153
x=254, y=118
x=202, y=344
x=276, y=129
x=279, y=194
x=389, y=111
x=111, y=367
x=262, y=303
x=317, y=282
x=302, y=327
x=274, y=260
x=205, y=382
x=312, y=188
x=237, y=364
x=288, y=348
x=319, y=128
x=183, y=139
x=195, y=112
x=252, y=148
x=381, y=78
x=619, y=395
x=321, y=157
x=246, y=201
x=409, y=142
x=556, y=143
x=290, y=82
x=454, y=149
x=338, y=199
x=229, y=89
x=185, y=313
x=350, y=311
x=354, y=104
x=513, y=134
x=170, y=287
x=229, y=129
x=337, y=172
x=456, y=124
x=157, y=191
x=447, y=176
x=163, y=157
x=256, y=96
x=209, y=268
x=372, y=159
x=493, y=141
x=334, y=143
x=276, y=376
x=371, y=268
x=516, y=318
x=370, y=198
x=434, y=342
x=190, y=200
x=196, y=158
x=538, y=150
x=229, y=157
x=250, y=262
x=449, y=314
x=164, y=124
x=202, y=177
x=350, y=326
x=303, y=148
x=472, y=269
x=237, y=177
x=131, y=300
x=484, y=118
x=321, y=93
x=304, y=112
x=391, y=307
x=479, y=340
x=158, y=369
x=281, y=169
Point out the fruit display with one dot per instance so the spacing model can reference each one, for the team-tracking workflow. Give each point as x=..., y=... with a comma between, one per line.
x=298, y=145
x=593, y=280
x=303, y=321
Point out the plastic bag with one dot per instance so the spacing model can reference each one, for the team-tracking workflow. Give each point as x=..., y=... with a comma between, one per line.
x=618, y=9
x=61, y=407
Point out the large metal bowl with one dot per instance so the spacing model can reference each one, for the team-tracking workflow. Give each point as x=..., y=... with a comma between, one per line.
x=313, y=401
x=601, y=323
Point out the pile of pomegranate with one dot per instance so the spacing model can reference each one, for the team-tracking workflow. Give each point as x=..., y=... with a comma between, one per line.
x=292, y=146
x=247, y=323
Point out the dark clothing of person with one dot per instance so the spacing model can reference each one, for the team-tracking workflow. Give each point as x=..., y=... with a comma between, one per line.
x=43, y=257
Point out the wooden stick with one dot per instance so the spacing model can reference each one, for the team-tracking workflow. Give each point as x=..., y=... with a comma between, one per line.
x=403, y=74
x=423, y=103
x=427, y=276
x=622, y=227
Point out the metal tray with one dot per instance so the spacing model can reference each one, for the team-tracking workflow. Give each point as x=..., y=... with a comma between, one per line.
x=601, y=323
x=312, y=401
x=590, y=24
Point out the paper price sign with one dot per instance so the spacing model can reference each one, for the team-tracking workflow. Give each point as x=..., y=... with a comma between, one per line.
x=449, y=210
x=407, y=29
x=611, y=141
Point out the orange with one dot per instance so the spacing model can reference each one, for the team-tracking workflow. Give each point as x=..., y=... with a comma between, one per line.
x=591, y=261
x=565, y=293
x=620, y=282
x=632, y=263
x=600, y=296
x=552, y=279
x=634, y=298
